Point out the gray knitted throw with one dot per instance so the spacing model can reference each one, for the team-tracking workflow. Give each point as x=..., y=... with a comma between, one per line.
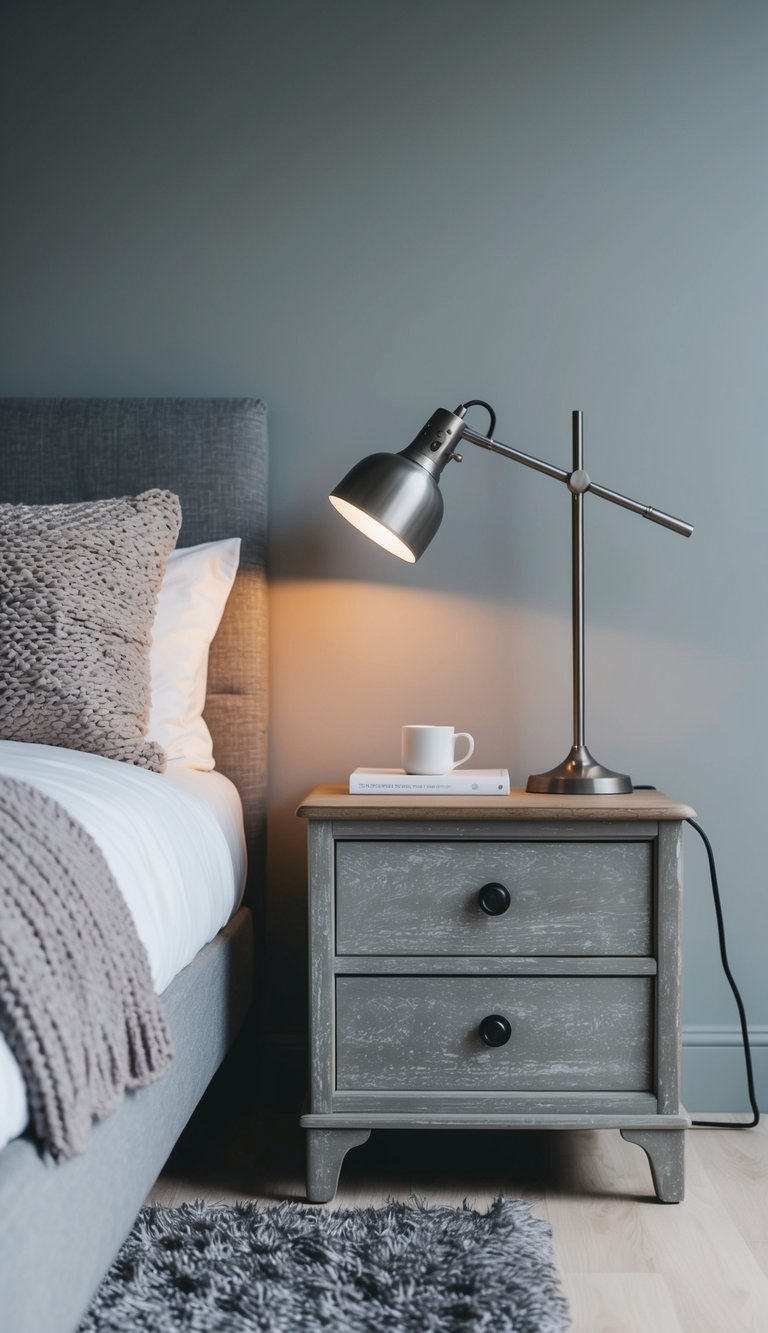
x=77, y=1006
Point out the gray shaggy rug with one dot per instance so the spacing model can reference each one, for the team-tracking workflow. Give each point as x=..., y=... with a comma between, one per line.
x=408, y=1268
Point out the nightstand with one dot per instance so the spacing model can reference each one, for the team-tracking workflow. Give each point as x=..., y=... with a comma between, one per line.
x=494, y=962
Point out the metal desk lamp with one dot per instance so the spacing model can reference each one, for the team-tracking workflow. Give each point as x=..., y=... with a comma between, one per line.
x=395, y=500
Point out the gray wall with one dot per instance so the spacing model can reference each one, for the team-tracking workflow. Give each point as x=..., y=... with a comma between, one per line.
x=364, y=210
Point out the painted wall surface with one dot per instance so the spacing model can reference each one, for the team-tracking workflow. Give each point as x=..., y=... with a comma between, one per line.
x=363, y=211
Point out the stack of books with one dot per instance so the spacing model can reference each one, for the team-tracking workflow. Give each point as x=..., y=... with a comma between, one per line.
x=461, y=782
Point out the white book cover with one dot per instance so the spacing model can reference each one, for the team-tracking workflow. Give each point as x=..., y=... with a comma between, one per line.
x=462, y=782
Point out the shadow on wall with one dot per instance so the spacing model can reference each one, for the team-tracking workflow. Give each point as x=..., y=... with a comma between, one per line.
x=351, y=662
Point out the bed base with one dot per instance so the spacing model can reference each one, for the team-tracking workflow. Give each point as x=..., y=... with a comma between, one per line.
x=61, y=1225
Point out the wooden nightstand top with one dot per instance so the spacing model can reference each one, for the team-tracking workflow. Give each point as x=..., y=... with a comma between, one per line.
x=334, y=802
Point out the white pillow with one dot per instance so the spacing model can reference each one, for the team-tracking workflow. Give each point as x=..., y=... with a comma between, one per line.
x=190, y=605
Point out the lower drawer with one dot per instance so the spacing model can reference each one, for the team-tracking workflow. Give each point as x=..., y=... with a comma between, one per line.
x=424, y=1033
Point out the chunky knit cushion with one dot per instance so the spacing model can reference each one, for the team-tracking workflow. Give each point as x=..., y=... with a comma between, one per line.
x=78, y=591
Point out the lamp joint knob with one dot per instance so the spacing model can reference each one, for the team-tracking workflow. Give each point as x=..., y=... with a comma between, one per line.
x=579, y=482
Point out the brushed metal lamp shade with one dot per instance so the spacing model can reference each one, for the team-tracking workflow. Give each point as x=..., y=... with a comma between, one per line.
x=395, y=500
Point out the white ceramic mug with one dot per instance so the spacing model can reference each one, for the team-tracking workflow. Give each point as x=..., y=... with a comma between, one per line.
x=433, y=749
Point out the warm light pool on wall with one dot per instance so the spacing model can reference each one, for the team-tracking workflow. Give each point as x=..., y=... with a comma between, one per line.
x=396, y=501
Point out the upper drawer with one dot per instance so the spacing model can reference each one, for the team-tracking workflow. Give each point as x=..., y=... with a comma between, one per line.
x=424, y=898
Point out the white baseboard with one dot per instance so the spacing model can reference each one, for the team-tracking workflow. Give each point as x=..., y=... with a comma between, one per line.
x=714, y=1077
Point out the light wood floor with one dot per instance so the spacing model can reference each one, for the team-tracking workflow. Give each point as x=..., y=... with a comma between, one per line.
x=628, y=1263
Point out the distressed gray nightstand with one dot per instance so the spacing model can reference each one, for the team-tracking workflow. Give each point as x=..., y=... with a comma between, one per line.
x=494, y=962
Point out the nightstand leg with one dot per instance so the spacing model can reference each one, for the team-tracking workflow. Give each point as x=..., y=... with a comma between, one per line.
x=326, y=1150
x=665, y=1150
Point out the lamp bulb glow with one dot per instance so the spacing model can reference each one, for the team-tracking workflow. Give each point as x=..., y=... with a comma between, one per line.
x=371, y=527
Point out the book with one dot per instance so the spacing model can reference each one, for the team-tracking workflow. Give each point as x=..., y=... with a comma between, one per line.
x=461, y=782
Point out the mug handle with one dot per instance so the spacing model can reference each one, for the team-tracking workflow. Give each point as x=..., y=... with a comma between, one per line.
x=463, y=735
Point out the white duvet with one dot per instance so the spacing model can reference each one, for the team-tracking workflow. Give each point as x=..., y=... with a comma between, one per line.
x=174, y=843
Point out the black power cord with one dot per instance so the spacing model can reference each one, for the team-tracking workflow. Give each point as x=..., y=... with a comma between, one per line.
x=725, y=1124
x=480, y=402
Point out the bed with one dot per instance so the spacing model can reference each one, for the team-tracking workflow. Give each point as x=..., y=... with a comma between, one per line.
x=62, y=1224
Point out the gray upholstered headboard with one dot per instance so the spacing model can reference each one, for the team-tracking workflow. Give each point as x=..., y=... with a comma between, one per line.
x=213, y=453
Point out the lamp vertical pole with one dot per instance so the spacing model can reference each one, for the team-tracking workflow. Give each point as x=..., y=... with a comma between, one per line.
x=580, y=774
x=577, y=589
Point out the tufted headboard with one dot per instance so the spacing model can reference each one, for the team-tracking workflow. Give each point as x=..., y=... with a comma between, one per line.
x=213, y=453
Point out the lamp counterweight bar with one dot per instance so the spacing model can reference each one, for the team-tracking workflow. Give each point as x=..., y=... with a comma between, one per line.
x=678, y=525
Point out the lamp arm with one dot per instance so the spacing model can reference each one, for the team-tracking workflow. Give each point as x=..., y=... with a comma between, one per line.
x=602, y=492
x=516, y=455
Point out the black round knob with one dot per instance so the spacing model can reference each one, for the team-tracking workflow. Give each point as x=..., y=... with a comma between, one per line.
x=494, y=899
x=495, y=1030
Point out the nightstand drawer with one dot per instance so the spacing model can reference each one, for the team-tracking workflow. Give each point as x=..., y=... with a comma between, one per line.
x=424, y=1034
x=400, y=898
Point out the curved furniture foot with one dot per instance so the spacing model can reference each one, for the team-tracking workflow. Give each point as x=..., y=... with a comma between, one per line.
x=326, y=1150
x=665, y=1150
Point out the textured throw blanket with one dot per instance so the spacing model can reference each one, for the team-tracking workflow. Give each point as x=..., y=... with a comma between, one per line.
x=77, y=1006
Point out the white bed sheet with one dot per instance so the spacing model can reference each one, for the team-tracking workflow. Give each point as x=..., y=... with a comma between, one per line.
x=174, y=843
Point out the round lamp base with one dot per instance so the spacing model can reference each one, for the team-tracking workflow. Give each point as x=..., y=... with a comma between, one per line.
x=580, y=775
